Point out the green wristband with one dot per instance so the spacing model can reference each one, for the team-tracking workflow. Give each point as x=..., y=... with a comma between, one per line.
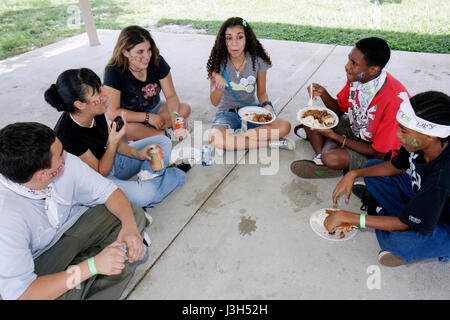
x=362, y=221
x=175, y=113
x=91, y=265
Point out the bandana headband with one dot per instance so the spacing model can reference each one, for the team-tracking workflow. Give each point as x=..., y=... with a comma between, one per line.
x=407, y=118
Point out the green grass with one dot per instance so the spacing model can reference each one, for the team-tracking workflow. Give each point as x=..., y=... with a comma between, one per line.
x=411, y=25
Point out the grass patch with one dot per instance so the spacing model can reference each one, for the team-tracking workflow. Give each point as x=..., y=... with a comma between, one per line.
x=412, y=25
x=282, y=31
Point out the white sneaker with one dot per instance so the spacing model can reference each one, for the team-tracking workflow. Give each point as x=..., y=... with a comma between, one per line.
x=318, y=160
x=283, y=143
x=171, y=135
x=148, y=217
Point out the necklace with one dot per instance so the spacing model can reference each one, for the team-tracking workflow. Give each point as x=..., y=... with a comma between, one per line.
x=237, y=69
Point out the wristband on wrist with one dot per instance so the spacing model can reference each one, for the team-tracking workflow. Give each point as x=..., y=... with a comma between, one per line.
x=147, y=117
x=343, y=142
x=175, y=113
x=265, y=103
x=91, y=265
x=362, y=221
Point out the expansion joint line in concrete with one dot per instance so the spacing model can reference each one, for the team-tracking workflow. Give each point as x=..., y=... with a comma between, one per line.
x=222, y=180
x=182, y=228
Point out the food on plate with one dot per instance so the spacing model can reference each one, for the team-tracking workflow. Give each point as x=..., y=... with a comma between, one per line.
x=315, y=117
x=341, y=229
x=259, y=117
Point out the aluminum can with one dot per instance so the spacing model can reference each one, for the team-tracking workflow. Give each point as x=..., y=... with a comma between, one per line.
x=180, y=128
x=124, y=248
x=206, y=155
x=156, y=156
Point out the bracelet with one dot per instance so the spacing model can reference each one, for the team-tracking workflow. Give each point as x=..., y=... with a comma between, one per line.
x=362, y=221
x=91, y=265
x=175, y=113
x=265, y=103
x=147, y=116
x=343, y=142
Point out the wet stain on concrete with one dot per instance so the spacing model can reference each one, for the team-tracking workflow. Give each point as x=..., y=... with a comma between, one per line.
x=301, y=193
x=247, y=226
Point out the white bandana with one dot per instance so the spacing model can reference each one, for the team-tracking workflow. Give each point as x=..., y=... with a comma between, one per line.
x=49, y=194
x=407, y=117
x=368, y=90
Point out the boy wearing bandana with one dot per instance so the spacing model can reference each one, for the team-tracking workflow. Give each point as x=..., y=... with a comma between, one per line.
x=61, y=223
x=413, y=189
x=367, y=106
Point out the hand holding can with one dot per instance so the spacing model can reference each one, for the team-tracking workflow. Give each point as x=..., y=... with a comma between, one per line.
x=156, y=156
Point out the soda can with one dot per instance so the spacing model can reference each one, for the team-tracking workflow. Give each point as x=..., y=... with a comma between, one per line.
x=206, y=155
x=180, y=127
x=124, y=248
x=244, y=125
x=156, y=157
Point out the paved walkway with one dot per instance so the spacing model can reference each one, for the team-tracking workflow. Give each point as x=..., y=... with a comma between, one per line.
x=236, y=230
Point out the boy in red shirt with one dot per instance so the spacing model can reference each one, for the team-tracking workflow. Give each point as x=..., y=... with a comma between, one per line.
x=366, y=106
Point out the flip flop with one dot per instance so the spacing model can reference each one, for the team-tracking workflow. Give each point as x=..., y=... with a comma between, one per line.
x=307, y=169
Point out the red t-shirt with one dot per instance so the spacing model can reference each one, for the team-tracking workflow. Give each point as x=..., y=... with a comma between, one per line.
x=376, y=124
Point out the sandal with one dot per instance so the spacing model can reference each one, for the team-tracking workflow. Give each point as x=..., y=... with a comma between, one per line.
x=299, y=131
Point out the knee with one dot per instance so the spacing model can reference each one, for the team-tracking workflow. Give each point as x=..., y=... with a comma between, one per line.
x=372, y=162
x=217, y=139
x=332, y=160
x=285, y=128
x=185, y=110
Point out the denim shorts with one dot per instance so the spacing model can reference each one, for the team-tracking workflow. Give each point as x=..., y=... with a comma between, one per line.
x=154, y=110
x=231, y=120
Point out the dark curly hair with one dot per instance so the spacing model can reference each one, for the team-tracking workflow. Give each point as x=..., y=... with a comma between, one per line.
x=219, y=51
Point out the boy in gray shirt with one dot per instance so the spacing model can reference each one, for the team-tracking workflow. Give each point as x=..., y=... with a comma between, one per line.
x=56, y=212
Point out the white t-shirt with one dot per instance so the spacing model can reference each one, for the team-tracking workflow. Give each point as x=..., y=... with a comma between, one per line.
x=25, y=231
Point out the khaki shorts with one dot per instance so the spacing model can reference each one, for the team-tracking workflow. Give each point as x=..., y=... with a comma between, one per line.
x=357, y=160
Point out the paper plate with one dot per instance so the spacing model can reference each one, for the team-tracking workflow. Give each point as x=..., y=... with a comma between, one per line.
x=322, y=232
x=321, y=126
x=246, y=111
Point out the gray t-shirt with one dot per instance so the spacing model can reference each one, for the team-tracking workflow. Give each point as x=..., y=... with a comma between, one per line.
x=25, y=230
x=243, y=86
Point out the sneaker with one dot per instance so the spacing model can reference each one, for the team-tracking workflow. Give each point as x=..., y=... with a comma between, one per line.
x=307, y=169
x=182, y=164
x=300, y=132
x=388, y=259
x=369, y=203
x=283, y=143
x=148, y=218
x=171, y=135
x=318, y=160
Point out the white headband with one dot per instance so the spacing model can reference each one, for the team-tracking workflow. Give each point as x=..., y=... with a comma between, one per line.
x=406, y=117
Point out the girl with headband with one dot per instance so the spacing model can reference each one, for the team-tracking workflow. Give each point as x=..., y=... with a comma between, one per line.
x=413, y=189
x=237, y=69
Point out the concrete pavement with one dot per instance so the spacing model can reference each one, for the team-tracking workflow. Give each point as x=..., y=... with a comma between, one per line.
x=232, y=232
